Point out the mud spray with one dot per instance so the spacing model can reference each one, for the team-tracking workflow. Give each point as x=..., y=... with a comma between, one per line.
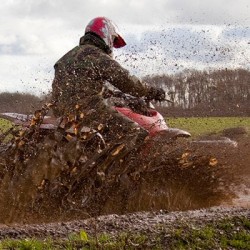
x=46, y=176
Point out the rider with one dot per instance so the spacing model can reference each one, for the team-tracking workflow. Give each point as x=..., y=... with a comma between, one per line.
x=81, y=74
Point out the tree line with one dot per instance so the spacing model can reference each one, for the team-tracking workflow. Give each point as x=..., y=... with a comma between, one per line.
x=19, y=102
x=223, y=92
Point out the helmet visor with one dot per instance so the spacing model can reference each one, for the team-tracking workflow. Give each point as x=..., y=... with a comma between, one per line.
x=119, y=42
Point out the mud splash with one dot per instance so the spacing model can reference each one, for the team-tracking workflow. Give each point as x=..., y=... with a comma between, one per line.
x=48, y=178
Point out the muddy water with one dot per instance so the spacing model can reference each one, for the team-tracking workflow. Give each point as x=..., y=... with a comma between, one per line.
x=46, y=187
x=242, y=199
x=241, y=167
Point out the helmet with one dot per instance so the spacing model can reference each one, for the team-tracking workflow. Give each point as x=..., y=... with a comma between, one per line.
x=107, y=30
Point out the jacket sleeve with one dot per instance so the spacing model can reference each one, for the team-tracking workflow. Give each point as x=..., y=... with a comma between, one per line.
x=119, y=77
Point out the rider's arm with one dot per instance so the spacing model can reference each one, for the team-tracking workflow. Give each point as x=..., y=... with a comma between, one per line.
x=114, y=73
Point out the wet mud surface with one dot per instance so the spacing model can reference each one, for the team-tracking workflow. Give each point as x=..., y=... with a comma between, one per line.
x=140, y=222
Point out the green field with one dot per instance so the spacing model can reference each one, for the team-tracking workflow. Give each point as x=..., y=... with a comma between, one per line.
x=195, y=125
x=205, y=125
x=4, y=125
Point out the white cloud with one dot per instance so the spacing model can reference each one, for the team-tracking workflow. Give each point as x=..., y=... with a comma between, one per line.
x=25, y=74
x=178, y=47
x=212, y=12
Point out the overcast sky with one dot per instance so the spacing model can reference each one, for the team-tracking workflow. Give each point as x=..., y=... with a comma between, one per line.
x=163, y=36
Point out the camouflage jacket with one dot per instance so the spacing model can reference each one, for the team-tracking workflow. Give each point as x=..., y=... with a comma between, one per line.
x=82, y=72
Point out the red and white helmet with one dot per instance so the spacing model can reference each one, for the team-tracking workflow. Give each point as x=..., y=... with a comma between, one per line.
x=107, y=30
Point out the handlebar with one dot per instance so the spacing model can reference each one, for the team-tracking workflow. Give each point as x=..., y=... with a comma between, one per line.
x=140, y=105
x=125, y=96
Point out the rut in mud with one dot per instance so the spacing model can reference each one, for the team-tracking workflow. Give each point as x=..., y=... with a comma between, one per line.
x=47, y=176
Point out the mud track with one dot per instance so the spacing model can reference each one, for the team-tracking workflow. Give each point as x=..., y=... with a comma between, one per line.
x=141, y=222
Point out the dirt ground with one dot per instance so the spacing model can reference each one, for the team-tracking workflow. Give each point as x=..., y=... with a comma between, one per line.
x=140, y=222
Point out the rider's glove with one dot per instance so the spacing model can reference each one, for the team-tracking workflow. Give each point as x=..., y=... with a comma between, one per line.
x=157, y=94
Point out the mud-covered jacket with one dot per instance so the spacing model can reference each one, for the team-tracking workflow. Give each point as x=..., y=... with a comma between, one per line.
x=83, y=71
